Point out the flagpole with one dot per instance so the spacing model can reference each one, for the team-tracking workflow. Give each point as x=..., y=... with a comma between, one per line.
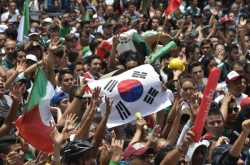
x=160, y=34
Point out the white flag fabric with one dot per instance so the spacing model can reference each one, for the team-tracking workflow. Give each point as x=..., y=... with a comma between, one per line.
x=136, y=90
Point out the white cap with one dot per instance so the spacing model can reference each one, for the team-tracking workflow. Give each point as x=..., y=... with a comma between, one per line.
x=49, y=20
x=31, y=57
x=3, y=28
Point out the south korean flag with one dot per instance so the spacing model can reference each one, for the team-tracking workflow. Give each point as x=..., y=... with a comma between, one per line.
x=136, y=90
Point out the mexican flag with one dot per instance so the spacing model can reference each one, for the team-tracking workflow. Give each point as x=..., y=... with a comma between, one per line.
x=33, y=126
x=24, y=25
x=131, y=40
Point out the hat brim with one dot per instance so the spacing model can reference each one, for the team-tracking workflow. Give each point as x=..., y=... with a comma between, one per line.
x=141, y=151
x=234, y=79
x=33, y=34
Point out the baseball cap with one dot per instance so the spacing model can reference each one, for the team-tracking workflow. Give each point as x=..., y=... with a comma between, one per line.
x=224, y=19
x=198, y=15
x=31, y=57
x=33, y=31
x=58, y=97
x=232, y=76
x=220, y=152
x=3, y=28
x=48, y=20
x=136, y=149
x=106, y=25
x=244, y=102
x=32, y=44
x=20, y=77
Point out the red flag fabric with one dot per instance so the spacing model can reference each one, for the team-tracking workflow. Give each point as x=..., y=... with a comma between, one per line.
x=172, y=6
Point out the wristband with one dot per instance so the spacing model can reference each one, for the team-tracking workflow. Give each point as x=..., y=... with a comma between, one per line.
x=78, y=97
x=56, y=159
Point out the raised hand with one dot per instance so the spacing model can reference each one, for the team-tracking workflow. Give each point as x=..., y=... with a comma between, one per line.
x=155, y=134
x=246, y=126
x=54, y=44
x=179, y=107
x=243, y=22
x=116, y=40
x=116, y=149
x=81, y=90
x=12, y=158
x=21, y=67
x=16, y=91
x=96, y=98
x=108, y=105
x=227, y=97
x=188, y=139
x=70, y=122
x=56, y=137
x=140, y=123
x=42, y=160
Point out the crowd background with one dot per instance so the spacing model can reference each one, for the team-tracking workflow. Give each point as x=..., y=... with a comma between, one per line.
x=64, y=39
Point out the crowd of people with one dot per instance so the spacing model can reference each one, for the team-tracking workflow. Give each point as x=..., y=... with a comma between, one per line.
x=207, y=34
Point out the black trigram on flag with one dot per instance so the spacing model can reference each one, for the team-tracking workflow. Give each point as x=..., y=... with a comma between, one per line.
x=152, y=93
x=139, y=74
x=122, y=110
x=110, y=86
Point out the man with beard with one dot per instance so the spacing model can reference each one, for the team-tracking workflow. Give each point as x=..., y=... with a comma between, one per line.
x=8, y=61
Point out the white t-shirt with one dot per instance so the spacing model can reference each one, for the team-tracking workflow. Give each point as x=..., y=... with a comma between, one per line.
x=238, y=100
x=13, y=18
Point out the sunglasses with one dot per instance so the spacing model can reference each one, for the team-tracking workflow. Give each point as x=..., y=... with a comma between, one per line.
x=235, y=109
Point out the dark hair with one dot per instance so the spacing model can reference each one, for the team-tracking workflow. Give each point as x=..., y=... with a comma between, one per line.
x=12, y=33
x=91, y=58
x=98, y=35
x=62, y=73
x=162, y=153
x=7, y=141
x=190, y=49
x=230, y=30
x=194, y=64
x=117, y=27
x=236, y=63
x=205, y=61
x=183, y=80
x=206, y=42
x=15, y=53
x=93, y=44
x=73, y=54
x=73, y=65
x=59, y=52
x=83, y=31
x=84, y=23
x=214, y=36
x=230, y=47
x=177, y=41
x=54, y=27
x=97, y=118
x=127, y=56
x=214, y=110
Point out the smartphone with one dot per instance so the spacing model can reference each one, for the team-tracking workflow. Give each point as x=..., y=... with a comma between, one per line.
x=134, y=18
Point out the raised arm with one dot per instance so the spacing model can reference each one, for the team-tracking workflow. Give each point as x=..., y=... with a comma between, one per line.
x=76, y=103
x=53, y=46
x=113, y=51
x=100, y=131
x=83, y=131
x=173, y=157
x=16, y=94
x=11, y=77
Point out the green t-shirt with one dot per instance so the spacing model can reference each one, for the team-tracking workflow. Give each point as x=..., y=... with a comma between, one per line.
x=63, y=31
x=7, y=64
x=192, y=11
